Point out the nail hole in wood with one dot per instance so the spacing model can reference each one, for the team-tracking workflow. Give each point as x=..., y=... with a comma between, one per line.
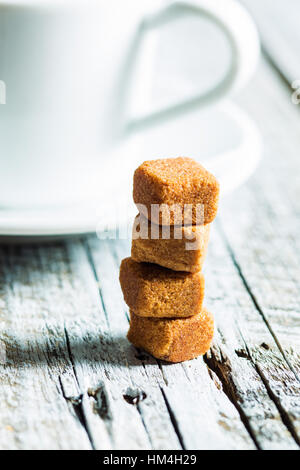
x=242, y=353
x=134, y=397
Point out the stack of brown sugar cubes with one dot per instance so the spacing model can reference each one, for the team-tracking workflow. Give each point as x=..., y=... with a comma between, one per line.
x=162, y=282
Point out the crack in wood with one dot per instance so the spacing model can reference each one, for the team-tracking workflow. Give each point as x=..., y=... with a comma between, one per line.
x=169, y=409
x=162, y=373
x=254, y=300
x=223, y=371
x=267, y=56
x=284, y=415
x=173, y=420
x=94, y=270
x=145, y=425
x=70, y=354
x=214, y=376
x=246, y=353
x=76, y=403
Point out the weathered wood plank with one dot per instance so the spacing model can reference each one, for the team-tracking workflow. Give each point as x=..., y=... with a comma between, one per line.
x=242, y=344
x=34, y=414
x=265, y=247
x=96, y=354
x=270, y=258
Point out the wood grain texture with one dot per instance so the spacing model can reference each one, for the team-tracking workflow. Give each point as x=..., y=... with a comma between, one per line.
x=265, y=249
x=86, y=387
x=34, y=412
x=242, y=343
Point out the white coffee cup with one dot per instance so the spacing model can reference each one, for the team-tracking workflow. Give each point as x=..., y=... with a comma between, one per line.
x=65, y=66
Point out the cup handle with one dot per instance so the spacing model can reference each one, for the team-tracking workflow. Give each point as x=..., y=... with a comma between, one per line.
x=241, y=32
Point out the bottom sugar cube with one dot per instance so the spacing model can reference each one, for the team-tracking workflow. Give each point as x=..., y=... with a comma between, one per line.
x=173, y=340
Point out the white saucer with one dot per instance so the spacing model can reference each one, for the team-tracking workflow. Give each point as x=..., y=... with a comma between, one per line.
x=223, y=138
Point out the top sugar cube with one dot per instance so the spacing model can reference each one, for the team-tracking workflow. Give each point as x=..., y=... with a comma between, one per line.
x=176, y=191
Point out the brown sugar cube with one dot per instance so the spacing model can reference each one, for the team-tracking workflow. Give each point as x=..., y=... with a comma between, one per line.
x=175, y=183
x=175, y=247
x=174, y=340
x=153, y=291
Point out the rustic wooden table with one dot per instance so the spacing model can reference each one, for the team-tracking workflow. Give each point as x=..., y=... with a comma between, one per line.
x=70, y=380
